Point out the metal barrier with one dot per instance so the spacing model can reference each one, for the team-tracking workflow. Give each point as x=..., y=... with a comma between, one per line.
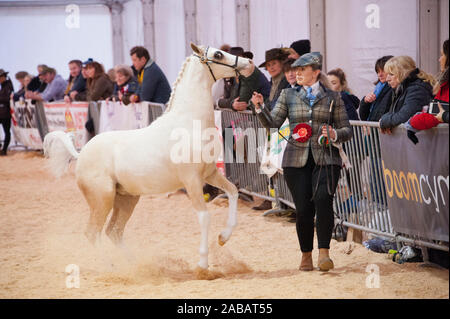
x=360, y=201
x=155, y=111
x=246, y=176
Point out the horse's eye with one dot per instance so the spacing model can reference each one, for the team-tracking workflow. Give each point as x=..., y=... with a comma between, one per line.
x=218, y=55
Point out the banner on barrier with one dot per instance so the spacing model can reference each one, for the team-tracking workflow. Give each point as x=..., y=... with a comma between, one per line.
x=24, y=124
x=116, y=116
x=417, y=184
x=68, y=117
x=274, y=150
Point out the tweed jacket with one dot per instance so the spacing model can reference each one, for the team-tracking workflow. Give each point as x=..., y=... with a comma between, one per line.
x=294, y=105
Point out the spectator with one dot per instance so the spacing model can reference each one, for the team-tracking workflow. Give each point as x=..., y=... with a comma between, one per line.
x=339, y=84
x=5, y=108
x=76, y=82
x=37, y=83
x=375, y=104
x=298, y=48
x=310, y=171
x=154, y=86
x=98, y=85
x=126, y=85
x=412, y=90
x=54, y=90
x=274, y=65
x=112, y=74
x=243, y=87
x=290, y=73
x=441, y=89
x=24, y=79
x=225, y=47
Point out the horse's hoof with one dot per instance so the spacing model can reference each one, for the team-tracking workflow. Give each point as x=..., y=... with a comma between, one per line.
x=205, y=274
x=221, y=240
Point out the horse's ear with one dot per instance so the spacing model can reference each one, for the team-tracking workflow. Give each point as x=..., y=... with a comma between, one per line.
x=195, y=48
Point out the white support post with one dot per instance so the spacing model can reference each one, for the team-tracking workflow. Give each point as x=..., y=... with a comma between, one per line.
x=428, y=36
x=190, y=24
x=148, y=16
x=243, y=24
x=116, y=9
x=317, y=30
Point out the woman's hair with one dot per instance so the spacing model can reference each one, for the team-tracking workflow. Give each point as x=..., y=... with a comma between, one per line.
x=402, y=66
x=443, y=75
x=99, y=71
x=339, y=73
x=287, y=65
x=21, y=75
x=379, y=65
x=124, y=70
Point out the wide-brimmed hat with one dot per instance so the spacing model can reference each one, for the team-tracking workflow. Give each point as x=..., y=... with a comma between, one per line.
x=301, y=46
x=3, y=72
x=274, y=54
x=313, y=58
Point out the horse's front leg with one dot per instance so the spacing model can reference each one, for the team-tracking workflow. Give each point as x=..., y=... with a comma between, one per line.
x=195, y=190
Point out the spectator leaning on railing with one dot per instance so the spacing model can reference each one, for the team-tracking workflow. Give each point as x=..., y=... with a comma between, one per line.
x=441, y=89
x=24, y=79
x=376, y=103
x=76, y=82
x=54, y=90
x=98, y=85
x=126, y=85
x=412, y=90
x=37, y=83
x=154, y=86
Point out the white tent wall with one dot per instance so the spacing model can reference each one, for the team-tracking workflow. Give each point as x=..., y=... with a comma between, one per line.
x=355, y=38
x=276, y=23
x=39, y=35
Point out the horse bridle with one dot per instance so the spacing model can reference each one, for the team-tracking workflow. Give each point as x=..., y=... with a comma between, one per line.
x=205, y=60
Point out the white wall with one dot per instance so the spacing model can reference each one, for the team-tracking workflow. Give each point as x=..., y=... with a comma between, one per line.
x=276, y=23
x=38, y=35
x=354, y=47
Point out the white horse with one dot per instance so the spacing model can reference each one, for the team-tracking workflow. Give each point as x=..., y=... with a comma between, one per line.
x=114, y=168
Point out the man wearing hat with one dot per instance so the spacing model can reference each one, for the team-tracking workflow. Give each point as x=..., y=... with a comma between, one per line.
x=5, y=111
x=54, y=90
x=298, y=48
x=311, y=163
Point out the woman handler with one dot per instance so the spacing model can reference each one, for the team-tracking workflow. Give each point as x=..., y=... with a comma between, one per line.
x=310, y=166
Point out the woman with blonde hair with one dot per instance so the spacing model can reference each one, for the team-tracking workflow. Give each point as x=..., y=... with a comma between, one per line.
x=412, y=89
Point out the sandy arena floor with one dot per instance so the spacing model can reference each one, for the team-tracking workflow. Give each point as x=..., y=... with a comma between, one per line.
x=42, y=223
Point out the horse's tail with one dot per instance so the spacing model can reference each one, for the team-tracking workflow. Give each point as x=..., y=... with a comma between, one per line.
x=59, y=148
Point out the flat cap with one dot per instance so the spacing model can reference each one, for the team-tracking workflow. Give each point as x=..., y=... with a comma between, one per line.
x=313, y=58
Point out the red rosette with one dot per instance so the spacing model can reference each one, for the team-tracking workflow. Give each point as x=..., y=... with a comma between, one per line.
x=302, y=132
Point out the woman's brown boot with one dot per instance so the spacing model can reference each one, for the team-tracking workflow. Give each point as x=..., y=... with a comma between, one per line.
x=325, y=263
x=306, y=263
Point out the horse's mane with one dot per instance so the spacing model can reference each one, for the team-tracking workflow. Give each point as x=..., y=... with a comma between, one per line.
x=180, y=75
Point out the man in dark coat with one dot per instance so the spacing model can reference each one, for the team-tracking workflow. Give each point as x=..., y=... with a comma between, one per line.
x=154, y=86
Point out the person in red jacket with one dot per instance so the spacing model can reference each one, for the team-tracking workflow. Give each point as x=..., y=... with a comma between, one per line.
x=441, y=88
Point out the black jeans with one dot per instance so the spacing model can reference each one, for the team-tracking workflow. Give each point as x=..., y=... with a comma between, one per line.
x=6, y=123
x=302, y=184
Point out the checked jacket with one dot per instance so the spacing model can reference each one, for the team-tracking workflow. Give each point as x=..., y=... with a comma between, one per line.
x=294, y=105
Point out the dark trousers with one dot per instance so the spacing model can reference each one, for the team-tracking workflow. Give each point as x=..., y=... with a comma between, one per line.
x=6, y=123
x=302, y=183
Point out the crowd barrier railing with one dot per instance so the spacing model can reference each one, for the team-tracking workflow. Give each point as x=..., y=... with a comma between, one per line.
x=360, y=201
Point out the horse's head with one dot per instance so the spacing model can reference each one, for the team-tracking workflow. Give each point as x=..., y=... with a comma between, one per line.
x=222, y=64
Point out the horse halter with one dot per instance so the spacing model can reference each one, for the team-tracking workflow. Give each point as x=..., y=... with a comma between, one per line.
x=205, y=60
